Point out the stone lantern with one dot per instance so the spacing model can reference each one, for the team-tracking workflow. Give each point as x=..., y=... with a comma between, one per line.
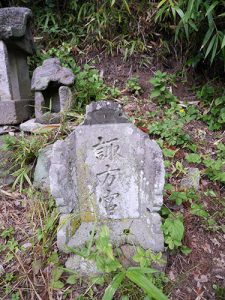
x=16, y=44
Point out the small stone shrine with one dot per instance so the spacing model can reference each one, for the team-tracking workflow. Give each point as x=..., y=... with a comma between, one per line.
x=16, y=44
x=107, y=171
x=51, y=82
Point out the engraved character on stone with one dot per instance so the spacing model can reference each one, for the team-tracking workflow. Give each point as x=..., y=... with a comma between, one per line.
x=109, y=200
x=107, y=149
x=108, y=177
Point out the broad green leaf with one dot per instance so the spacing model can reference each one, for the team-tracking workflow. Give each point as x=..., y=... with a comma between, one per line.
x=56, y=273
x=169, y=153
x=198, y=210
x=57, y=284
x=185, y=250
x=54, y=258
x=193, y=158
x=155, y=93
x=124, y=298
x=174, y=228
x=100, y=280
x=112, y=288
x=143, y=282
x=72, y=279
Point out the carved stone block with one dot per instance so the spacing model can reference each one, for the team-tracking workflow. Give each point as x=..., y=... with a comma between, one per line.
x=111, y=174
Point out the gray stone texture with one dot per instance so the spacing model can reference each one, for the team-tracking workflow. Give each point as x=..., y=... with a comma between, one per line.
x=65, y=96
x=41, y=174
x=52, y=94
x=31, y=126
x=191, y=179
x=14, y=112
x=5, y=87
x=15, y=27
x=51, y=71
x=84, y=267
x=109, y=173
x=104, y=112
x=16, y=44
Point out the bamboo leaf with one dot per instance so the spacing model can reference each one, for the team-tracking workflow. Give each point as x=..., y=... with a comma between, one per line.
x=112, y=288
x=186, y=31
x=192, y=24
x=144, y=270
x=179, y=11
x=214, y=49
x=207, y=37
x=210, y=46
x=222, y=15
x=161, y=3
x=211, y=8
x=223, y=42
x=127, y=6
x=143, y=282
x=171, y=3
x=189, y=9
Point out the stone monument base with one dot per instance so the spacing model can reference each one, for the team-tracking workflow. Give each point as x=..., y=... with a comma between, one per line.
x=15, y=112
x=143, y=232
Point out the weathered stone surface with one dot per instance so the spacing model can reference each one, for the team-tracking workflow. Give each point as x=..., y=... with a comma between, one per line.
x=41, y=173
x=31, y=126
x=52, y=94
x=51, y=71
x=49, y=118
x=5, y=86
x=14, y=112
x=84, y=267
x=16, y=44
x=104, y=112
x=66, y=98
x=39, y=103
x=191, y=179
x=62, y=173
x=113, y=174
x=15, y=27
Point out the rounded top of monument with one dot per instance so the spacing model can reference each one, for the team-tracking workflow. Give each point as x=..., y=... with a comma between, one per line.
x=104, y=112
x=51, y=71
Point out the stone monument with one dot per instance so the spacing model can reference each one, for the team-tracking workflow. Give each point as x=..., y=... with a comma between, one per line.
x=16, y=44
x=51, y=82
x=107, y=171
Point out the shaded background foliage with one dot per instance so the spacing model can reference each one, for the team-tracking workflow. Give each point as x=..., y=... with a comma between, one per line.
x=195, y=27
